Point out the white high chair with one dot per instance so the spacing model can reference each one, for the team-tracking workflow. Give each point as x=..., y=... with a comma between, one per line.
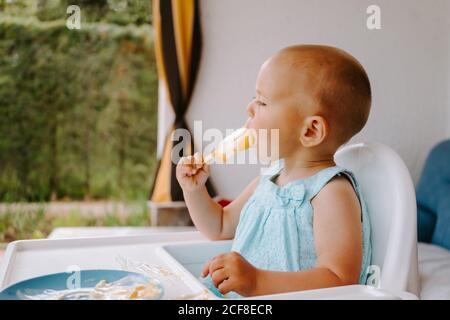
x=390, y=196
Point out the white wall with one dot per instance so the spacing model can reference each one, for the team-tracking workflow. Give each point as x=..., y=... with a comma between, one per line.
x=407, y=62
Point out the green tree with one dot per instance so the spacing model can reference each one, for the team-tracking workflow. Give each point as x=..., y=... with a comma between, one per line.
x=121, y=12
x=77, y=111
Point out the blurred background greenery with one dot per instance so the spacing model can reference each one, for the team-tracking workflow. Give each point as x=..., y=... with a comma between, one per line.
x=120, y=12
x=78, y=108
x=37, y=220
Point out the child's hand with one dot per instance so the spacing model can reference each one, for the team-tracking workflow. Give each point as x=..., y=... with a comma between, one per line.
x=231, y=272
x=192, y=172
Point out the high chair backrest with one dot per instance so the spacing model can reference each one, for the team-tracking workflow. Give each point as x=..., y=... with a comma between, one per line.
x=389, y=193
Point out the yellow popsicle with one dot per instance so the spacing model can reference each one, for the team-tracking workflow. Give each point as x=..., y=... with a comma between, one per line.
x=240, y=140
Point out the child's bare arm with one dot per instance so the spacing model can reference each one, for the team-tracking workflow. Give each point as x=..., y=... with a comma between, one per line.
x=338, y=230
x=209, y=217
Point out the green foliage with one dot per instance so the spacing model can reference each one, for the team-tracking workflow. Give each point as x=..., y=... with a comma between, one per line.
x=19, y=7
x=35, y=223
x=77, y=110
x=122, y=12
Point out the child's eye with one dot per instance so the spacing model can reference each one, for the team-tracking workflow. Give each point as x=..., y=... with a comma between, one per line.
x=259, y=102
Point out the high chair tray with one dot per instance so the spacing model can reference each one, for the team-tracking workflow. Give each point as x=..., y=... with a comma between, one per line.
x=181, y=253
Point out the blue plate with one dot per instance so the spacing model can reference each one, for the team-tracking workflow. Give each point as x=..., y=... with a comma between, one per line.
x=59, y=281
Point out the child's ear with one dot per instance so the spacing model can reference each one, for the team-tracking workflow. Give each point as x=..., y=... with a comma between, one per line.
x=314, y=131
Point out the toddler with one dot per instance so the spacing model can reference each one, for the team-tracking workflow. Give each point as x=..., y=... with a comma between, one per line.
x=305, y=225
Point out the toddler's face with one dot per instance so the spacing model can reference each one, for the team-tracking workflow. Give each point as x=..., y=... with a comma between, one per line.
x=283, y=99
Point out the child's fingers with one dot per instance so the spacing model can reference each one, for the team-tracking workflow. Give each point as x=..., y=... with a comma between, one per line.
x=205, y=269
x=199, y=161
x=225, y=286
x=184, y=169
x=192, y=166
x=196, y=163
x=195, y=160
x=205, y=168
x=187, y=165
x=184, y=161
x=218, y=276
x=217, y=263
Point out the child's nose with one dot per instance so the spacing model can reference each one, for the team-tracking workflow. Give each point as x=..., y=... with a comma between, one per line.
x=251, y=109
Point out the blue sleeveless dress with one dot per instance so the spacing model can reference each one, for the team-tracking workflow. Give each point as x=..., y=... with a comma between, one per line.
x=275, y=230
